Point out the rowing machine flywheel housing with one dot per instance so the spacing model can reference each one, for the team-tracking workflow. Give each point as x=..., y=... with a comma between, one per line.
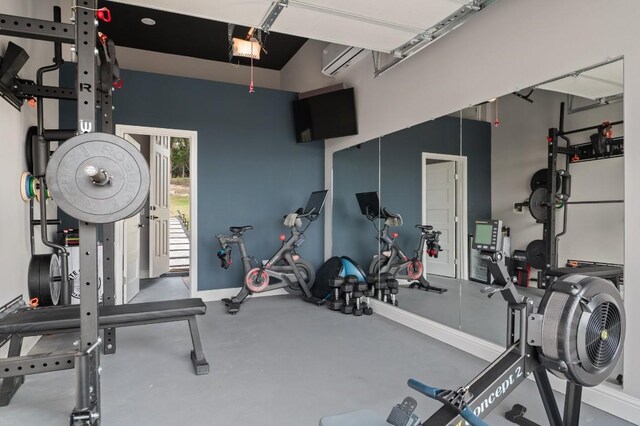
x=583, y=329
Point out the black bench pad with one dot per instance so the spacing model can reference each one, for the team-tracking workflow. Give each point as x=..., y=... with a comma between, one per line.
x=55, y=319
x=593, y=271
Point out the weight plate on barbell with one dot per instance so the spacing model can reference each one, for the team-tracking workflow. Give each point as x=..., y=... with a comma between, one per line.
x=538, y=204
x=536, y=254
x=44, y=278
x=78, y=195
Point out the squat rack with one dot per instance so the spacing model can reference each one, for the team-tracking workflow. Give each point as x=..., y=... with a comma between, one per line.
x=86, y=359
x=550, y=237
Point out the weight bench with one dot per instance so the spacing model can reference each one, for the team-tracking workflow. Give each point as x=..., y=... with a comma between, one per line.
x=611, y=273
x=65, y=319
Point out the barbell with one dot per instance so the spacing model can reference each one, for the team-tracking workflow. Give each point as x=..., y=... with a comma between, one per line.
x=539, y=200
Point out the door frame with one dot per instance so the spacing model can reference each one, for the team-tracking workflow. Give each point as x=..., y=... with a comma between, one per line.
x=462, y=271
x=121, y=130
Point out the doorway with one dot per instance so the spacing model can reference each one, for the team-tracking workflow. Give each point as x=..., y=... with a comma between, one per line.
x=155, y=249
x=444, y=206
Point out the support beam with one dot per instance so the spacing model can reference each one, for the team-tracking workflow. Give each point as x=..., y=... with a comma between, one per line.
x=37, y=29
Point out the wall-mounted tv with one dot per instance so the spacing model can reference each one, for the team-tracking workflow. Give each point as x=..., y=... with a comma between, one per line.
x=329, y=115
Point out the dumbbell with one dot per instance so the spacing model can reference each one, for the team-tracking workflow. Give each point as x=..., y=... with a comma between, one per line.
x=357, y=298
x=392, y=284
x=379, y=283
x=366, y=308
x=335, y=283
x=350, y=282
x=359, y=291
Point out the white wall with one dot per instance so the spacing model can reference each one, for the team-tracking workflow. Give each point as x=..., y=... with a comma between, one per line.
x=304, y=71
x=519, y=149
x=15, y=246
x=512, y=45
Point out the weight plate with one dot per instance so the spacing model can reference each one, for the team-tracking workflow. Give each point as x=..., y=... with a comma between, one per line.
x=536, y=254
x=76, y=193
x=44, y=279
x=538, y=204
x=33, y=130
x=539, y=180
x=25, y=184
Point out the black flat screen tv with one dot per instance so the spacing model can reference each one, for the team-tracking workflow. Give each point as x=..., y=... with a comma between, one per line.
x=329, y=115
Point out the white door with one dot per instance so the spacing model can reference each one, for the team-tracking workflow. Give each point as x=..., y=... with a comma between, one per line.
x=440, y=211
x=159, y=166
x=132, y=257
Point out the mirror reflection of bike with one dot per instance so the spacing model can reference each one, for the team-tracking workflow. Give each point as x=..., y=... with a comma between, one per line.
x=390, y=258
x=286, y=269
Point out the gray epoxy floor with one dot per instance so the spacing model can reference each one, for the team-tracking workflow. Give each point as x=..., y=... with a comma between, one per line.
x=163, y=288
x=462, y=306
x=280, y=362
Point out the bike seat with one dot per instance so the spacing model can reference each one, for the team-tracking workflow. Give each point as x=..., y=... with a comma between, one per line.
x=424, y=228
x=240, y=229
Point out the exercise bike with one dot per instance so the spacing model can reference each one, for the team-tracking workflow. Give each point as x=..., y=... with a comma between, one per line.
x=391, y=259
x=285, y=269
x=577, y=333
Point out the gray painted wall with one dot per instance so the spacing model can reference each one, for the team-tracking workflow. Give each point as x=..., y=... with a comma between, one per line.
x=250, y=169
x=401, y=174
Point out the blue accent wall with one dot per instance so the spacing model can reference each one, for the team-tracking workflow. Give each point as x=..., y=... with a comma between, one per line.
x=250, y=169
x=401, y=170
x=354, y=170
x=400, y=181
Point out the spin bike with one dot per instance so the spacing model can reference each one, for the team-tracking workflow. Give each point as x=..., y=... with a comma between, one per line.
x=577, y=333
x=285, y=269
x=391, y=259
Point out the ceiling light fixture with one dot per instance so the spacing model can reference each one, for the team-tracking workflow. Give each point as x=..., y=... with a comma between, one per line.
x=148, y=21
x=246, y=48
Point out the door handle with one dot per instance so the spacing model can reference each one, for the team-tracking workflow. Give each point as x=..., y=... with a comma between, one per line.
x=152, y=217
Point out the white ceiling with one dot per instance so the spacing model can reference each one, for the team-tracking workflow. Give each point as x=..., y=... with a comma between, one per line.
x=376, y=25
x=596, y=83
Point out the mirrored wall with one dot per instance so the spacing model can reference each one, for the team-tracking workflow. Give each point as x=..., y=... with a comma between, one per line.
x=491, y=161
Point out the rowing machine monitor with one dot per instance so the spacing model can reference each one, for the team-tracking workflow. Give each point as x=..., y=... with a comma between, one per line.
x=488, y=236
x=488, y=240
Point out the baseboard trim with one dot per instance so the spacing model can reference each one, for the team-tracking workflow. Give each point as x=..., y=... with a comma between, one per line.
x=222, y=293
x=604, y=397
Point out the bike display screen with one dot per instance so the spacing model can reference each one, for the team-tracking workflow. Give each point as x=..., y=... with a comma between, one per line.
x=316, y=202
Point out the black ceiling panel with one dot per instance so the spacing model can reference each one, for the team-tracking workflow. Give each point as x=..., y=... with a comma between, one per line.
x=190, y=36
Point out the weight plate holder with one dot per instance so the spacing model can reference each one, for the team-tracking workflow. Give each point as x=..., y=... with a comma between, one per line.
x=538, y=204
x=44, y=279
x=98, y=178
